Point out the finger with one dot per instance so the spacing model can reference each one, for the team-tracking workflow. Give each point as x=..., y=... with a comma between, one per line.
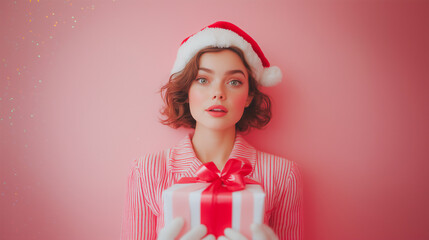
x=171, y=230
x=209, y=237
x=195, y=233
x=257, y=232
x=234, y=235
x=222, y=238
x=270, y=232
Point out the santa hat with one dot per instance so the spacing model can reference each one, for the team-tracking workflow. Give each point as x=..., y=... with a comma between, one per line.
x=223, y=35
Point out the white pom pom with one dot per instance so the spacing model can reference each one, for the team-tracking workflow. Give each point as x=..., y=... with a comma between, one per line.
x=271, y=76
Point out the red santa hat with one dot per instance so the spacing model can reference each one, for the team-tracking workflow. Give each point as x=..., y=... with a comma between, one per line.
x=223, y=35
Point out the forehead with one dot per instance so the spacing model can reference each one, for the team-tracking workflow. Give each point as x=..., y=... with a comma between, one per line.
x=222, y=60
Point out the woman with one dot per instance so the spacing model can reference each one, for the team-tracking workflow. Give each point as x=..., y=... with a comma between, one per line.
x=213, y=88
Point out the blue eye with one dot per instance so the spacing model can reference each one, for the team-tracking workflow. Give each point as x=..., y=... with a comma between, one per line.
x=235, y=82
x=202, y=80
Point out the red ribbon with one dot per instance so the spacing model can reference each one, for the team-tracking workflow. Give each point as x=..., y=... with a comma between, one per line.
x=216, y=199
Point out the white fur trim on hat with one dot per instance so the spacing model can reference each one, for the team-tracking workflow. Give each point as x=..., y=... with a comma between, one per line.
x=223, y=38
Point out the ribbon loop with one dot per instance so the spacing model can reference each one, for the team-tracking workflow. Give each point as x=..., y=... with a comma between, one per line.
x=231, y=177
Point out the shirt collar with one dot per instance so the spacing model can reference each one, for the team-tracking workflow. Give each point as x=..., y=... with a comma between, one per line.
x=183, y=159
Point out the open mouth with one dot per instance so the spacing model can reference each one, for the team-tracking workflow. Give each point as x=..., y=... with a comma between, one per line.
x=217, y=108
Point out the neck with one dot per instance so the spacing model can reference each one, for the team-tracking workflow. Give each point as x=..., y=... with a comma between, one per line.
x=213, y=145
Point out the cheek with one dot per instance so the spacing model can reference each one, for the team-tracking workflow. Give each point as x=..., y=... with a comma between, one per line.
x=195, y=97
x=239, y=100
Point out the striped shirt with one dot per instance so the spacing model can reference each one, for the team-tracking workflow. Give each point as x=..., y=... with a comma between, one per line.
x=143, y=215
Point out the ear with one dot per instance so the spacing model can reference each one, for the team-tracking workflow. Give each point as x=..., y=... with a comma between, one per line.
x=249, y=100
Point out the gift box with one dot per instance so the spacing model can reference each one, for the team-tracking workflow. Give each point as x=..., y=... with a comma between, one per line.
x=216, y=199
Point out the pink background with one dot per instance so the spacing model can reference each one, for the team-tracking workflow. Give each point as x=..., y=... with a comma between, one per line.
x=79, y=103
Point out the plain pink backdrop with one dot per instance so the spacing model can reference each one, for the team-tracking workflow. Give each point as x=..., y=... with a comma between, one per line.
x=79, y=103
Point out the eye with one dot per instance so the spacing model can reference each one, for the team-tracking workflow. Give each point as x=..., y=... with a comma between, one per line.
x=201, y=80
x=235, y=82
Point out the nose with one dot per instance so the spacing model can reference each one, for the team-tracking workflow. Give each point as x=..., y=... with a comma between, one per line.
x=218, y=93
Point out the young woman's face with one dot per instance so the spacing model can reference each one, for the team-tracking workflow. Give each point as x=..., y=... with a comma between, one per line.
x=219, y=94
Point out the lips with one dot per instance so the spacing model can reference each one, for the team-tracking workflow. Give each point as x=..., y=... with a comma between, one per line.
x=217, y=108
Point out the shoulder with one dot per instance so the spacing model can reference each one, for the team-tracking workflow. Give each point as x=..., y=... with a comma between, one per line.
x=278, y=167
x=151, y=167
x=152, y=160
x=277, y=162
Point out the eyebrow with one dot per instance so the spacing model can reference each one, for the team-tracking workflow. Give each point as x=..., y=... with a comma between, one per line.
x=227, y=73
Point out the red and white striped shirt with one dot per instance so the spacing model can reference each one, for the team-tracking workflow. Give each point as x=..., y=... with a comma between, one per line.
x=143, y=214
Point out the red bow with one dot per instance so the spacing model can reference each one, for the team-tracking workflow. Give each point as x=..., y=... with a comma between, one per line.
x=231, y=178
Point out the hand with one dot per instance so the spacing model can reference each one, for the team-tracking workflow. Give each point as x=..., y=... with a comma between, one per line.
x=171, y=231
x=259, y=232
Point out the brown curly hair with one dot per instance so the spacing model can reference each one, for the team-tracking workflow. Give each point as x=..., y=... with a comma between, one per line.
x=175, y=96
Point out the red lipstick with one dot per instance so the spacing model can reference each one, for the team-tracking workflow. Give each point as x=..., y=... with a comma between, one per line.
x=217, y=110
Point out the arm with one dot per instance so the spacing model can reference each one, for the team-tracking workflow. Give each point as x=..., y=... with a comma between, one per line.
x=138, y=220
x=287, y=220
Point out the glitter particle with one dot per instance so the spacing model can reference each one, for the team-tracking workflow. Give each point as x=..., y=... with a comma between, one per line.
x=31, y=115
x=38, y=56
x=40, y=81
x=13, y=109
